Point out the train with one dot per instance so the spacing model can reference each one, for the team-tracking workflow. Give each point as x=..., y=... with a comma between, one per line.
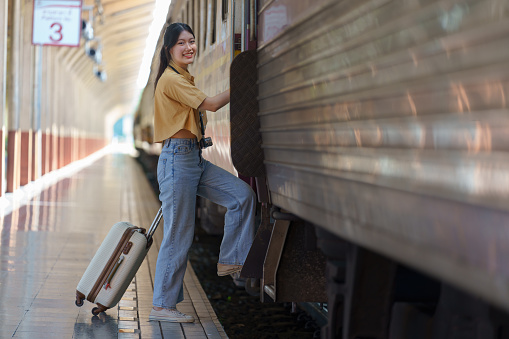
x=375, y=133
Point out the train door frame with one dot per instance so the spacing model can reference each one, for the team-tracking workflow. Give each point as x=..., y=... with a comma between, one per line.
x=250, y=32
x=244, y=36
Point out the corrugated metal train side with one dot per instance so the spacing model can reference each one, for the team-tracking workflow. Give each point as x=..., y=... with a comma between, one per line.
x=384, y=133
x=386, y=124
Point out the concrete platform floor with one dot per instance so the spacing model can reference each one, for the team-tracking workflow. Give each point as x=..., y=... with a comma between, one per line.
x=51, y=229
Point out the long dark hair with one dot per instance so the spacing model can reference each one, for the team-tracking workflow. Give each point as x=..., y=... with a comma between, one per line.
x=171, y=36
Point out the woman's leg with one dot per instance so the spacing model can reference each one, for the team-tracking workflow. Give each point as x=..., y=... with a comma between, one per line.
x=225, y=189
x=178, y=175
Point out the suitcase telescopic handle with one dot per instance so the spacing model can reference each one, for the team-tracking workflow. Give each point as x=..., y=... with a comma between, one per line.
x=154, y=225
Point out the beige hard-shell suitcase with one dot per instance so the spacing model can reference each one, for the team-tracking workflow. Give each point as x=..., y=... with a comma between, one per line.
x=115, y=264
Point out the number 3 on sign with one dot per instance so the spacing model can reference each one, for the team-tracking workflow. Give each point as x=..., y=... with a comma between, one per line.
x=57, y=34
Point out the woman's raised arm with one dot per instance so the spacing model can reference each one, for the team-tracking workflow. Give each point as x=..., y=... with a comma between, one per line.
x=216, y=102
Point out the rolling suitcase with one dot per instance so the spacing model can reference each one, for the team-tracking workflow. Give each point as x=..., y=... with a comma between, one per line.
x=115, y=264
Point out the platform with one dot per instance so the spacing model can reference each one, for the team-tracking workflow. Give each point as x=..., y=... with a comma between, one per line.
x=49, y=233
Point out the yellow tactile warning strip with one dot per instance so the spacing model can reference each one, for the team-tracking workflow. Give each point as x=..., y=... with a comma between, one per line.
x=128, y=312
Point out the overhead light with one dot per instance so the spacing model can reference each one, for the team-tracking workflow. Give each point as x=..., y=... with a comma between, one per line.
x=93, y=49
x=100, y=73
x=93, y=46
x=87, y=30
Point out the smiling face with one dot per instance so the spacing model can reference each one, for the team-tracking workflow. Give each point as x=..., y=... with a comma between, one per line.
x=184, y=51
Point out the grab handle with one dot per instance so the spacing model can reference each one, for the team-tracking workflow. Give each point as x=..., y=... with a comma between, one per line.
x=154, y=225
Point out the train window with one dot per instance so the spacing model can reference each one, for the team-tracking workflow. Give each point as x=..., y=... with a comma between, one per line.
x=196, y=19
x=214, y=18
x=225, y=9
x=205, y=23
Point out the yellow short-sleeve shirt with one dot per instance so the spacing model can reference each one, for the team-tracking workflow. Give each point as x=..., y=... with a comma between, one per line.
x=176, y=103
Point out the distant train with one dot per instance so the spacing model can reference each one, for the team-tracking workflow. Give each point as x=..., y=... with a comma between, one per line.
x=376, y=134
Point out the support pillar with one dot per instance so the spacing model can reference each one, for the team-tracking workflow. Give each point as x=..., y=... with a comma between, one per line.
x=44, y=153
x=61, y=151
x=13, y=160
x=14, y=87
x=3, y=82
x=68, y=150
x=36, y=151
x=2, y=157
x=25, y=157
x=54, y=152
x=74, y=147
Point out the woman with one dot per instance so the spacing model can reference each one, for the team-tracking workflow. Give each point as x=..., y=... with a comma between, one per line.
x=183, y=174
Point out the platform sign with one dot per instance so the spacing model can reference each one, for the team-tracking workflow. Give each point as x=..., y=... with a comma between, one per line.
x=57, y=23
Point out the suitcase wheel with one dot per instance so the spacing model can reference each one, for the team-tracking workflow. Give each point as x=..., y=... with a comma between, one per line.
x=79, y=302
x=96, y=311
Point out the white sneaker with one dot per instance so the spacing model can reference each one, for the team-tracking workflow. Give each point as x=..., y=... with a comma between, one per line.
x=172, y=316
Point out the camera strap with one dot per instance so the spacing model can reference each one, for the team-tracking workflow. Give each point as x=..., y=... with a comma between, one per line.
x=201, y=124
x=199, y=112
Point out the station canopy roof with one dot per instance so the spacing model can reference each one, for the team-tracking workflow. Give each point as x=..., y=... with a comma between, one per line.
x=122, y=34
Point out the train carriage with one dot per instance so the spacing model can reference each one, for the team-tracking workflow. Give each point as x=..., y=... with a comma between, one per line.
x=383, y=126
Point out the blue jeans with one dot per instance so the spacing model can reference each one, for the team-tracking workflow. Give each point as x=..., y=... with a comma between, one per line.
x=183, y=174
